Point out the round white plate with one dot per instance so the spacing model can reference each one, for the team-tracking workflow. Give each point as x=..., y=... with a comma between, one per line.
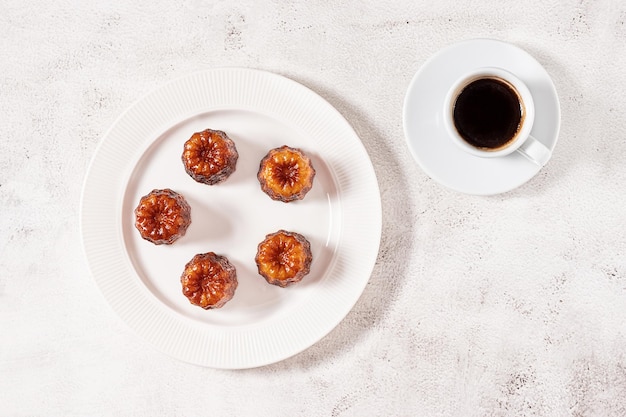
x=432, y=147
x=341, y=217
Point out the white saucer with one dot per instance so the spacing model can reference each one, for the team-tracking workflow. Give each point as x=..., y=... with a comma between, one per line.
x=431, y=146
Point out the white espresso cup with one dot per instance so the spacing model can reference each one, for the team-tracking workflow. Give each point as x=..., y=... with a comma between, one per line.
x=489, y=112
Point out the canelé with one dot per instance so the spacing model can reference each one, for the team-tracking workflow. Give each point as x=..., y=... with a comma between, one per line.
x=284, y=258
x=209, y=280
x=210, y=156
x=286, y=174
x=162, y=216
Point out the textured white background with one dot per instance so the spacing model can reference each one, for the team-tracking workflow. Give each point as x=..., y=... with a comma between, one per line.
x=513, y=305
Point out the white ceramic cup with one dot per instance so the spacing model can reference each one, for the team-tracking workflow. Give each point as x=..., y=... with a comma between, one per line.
x=522, y=141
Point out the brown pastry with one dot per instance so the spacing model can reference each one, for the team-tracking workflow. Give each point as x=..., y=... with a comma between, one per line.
x=284, y=258
x=209, y=280
x=162, y=216
x=210, y=156
x=286, y=174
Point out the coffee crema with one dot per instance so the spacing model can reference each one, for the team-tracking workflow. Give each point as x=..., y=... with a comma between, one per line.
x=488, y=113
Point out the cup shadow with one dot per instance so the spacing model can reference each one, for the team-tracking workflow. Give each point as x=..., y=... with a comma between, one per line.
x=565, y=154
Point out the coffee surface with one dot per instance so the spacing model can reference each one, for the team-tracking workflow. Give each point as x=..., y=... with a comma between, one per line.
x=487, y=113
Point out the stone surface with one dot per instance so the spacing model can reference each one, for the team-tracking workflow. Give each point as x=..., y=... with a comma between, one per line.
x=512, y=305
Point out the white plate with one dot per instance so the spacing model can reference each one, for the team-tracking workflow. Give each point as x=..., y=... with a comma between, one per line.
x=341, y=217
x=431, y=146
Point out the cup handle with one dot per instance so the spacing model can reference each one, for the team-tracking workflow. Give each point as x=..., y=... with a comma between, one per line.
x=535, y=151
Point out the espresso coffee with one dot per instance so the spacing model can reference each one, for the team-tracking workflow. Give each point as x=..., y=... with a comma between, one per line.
x=488, y=113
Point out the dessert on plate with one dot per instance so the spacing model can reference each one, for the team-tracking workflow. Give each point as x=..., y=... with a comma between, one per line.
x=209, y=280
x=286, y=174
x=210, y=156
x=284, y=258
x=162, y=216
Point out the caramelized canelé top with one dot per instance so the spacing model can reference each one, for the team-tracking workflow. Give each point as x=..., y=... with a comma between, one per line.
x=284, y=258
x=286, y=174
x=209, y=280
x=210, y=156
x=162, y=216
